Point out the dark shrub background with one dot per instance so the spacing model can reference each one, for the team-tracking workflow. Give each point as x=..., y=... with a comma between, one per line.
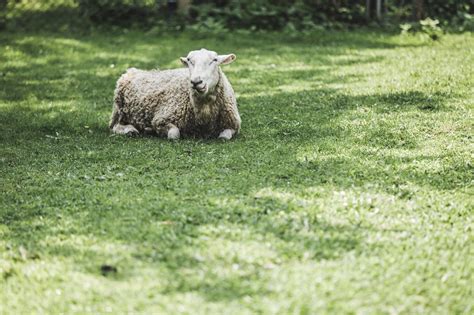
x=229, y=14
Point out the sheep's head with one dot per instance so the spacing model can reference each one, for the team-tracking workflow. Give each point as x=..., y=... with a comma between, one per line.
x=203, y=68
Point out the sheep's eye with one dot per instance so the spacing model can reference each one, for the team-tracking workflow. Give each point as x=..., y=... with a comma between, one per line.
x=215, y=60
x=189, y=60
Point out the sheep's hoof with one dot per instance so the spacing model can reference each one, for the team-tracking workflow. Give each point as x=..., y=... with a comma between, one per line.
x=127, y=130
x=132, y=133
x=226, y=134
x=173, y=134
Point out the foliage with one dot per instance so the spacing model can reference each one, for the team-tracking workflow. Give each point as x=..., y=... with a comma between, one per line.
x=464, y=21
x=289, y=15
x=266, y=14
x=348, y=191
x=306, y=14
x=447, y=9
x=431, y=28
x=120, y=12
x=427, y=27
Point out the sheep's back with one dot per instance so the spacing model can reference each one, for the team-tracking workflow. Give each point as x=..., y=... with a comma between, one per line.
x=147, y=92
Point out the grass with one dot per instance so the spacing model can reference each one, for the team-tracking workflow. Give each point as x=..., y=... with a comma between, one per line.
x=349, y=189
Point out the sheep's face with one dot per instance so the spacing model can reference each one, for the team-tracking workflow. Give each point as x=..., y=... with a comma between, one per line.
x=203, y=68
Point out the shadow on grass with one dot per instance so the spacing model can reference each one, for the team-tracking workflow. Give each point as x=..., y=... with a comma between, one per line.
x=217, y=253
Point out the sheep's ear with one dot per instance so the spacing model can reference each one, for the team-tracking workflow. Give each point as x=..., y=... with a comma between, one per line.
x=226, y=59
x=184, y=60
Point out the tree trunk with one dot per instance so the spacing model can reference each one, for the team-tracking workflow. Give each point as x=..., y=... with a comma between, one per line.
x=3, y=14
x=368, y=9
x=418, y=9
x=375, y=9
x=183, y=6
x=379, y=9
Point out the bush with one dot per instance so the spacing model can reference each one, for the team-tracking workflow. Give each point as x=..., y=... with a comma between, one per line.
x=304, y=14
x=427, y=27
x=212, y=15
x=274, y=15
x=447, y=10
x=119, y=12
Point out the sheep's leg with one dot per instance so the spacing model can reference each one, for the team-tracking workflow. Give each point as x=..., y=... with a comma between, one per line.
x=230, y=121
x=166, y=129
x=227, y=134
x=128, y=130
x=173, y=132
x=162, y=126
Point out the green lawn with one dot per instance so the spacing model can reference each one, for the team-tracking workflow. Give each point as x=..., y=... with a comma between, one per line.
x=349, y=189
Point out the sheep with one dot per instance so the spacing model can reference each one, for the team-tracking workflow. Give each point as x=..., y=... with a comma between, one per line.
x=195, y=102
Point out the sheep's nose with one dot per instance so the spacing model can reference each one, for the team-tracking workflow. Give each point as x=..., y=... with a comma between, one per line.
x=196, y=81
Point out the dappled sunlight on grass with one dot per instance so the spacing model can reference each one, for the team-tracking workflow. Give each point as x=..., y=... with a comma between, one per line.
x=348, y=189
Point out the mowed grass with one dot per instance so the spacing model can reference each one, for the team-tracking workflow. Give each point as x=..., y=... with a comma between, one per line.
x=349, y=189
